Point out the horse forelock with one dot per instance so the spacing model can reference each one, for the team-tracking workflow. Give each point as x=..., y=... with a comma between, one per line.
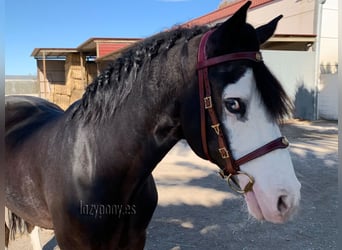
x=277, y=102
x=112, y=87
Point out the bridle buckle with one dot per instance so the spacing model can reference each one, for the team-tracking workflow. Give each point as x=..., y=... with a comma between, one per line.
x=208, y=104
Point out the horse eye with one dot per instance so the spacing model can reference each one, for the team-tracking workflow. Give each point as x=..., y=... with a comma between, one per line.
x=235, y=105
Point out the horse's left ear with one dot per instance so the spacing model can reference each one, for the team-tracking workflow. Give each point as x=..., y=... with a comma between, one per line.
x=235, y=21
x=228, y=29
x=264, y=32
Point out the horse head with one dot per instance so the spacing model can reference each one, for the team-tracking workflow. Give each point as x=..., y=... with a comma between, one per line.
x=240, y=115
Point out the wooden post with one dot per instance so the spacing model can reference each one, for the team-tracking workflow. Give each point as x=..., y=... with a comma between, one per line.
x=83, y=69
x=44, y=75
x=97, y=56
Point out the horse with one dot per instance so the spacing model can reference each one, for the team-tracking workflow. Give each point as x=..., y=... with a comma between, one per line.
x=14, y=224
x=86, y=172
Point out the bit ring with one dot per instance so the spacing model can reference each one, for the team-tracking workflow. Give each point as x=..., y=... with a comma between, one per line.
x=247, y=188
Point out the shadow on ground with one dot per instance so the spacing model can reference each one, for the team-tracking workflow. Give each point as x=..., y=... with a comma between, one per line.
x=227, y=225
x=197, y=210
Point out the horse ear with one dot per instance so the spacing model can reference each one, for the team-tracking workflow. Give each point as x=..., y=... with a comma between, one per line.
x=235, y=21
x=264, y=32
x=228, y=29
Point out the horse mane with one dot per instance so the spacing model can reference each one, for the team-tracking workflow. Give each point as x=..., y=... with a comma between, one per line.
x=277, y=102
x=109, y=90
x=112, y=87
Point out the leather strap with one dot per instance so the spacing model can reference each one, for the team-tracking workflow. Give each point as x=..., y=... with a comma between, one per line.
x=278, y=143
x=206, y=104
x=250, y=55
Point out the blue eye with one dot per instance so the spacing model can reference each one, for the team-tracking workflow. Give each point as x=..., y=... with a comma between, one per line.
x=235, y=106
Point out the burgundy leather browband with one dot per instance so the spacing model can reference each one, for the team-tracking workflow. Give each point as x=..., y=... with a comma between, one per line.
x=231, y=166
x=250, y=55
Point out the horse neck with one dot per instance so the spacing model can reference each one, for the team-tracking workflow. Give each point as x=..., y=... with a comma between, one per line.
x=125, y=147
x=147, y=125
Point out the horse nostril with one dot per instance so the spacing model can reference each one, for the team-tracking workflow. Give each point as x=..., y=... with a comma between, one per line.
x=282, y=206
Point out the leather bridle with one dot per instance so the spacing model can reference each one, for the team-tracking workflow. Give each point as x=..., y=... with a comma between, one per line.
x=231, y=166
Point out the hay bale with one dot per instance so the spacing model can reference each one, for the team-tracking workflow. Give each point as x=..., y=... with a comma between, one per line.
x=49, y=96
x=62, y=89
x=76, y=72
x=76, y=95
x=79, y=84
x=62, y=100
x=73, y=59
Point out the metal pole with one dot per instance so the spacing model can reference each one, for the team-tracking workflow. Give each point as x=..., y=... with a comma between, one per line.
x=317, y=55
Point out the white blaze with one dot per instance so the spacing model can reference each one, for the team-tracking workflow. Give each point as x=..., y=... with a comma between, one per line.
x=273, y=173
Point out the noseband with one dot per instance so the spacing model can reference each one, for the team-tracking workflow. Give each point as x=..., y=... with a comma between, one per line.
x=231, y=166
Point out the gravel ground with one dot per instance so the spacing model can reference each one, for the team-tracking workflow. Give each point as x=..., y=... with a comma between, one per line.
x=197, y=210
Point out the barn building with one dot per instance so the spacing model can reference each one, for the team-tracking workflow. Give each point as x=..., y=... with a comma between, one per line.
x=63, y=74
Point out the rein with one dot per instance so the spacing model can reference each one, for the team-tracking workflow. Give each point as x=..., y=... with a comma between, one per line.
x=231, y=166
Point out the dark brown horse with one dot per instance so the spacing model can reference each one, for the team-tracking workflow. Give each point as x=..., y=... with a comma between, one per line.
x=86, y=172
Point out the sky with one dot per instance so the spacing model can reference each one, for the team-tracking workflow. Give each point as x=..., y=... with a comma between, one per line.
x=33, y=24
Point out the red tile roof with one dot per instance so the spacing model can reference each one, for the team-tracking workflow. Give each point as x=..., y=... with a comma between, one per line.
x=224, y=12
x=106, y=48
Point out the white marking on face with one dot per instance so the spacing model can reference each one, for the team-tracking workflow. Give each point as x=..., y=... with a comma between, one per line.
x=276, y=192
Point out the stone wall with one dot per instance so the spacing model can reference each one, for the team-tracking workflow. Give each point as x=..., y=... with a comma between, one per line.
x=21, y=85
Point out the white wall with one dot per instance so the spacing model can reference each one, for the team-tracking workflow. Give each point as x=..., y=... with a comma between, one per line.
x=328, y=97
x=329, y=33
x=294, y=69
x=328, y=94
x=298, y=16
